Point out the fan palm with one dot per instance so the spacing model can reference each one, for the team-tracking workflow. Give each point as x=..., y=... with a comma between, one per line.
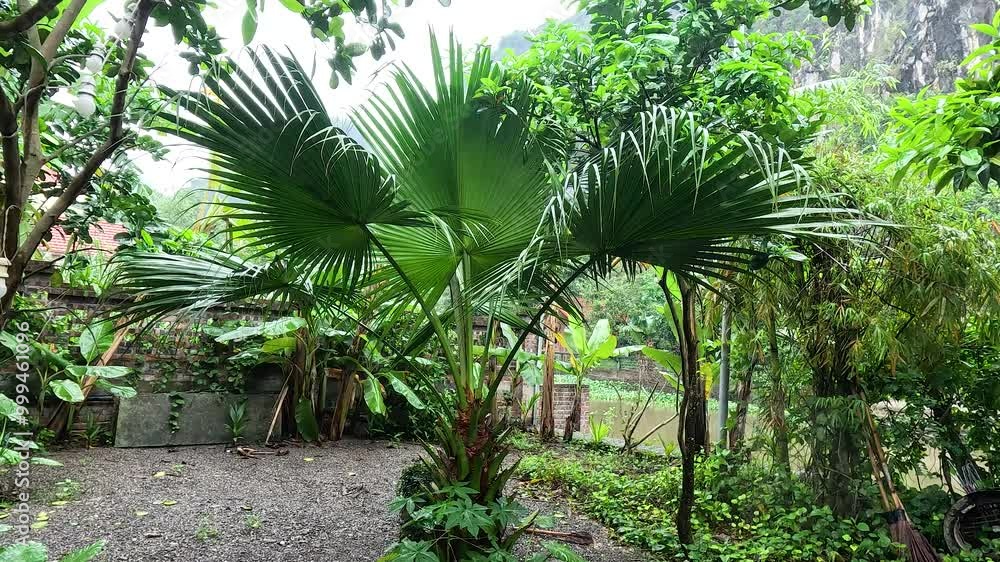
x=456, y=210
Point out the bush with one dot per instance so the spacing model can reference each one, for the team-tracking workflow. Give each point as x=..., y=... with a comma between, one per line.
x=742, y=512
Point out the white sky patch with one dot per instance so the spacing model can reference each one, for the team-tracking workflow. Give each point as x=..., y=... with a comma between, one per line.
x=472, y=21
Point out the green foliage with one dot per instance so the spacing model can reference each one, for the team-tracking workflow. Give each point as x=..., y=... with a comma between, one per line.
x=599, y=429
x=462, y=529
x=237, y=420
x=741, y=513
x=952, y=139
x=37, y=552
x=305, y=420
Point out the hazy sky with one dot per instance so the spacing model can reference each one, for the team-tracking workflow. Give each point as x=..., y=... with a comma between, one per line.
x=473, y=21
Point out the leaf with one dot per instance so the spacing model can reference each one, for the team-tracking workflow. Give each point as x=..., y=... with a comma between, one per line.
x=305, y=420
x=141, y=513
x=121, y=391
x=168, y=503
x=663, y=358
x=96, y=339
x=84, y=554
x=293, y=5
x=284, y=345
x=10, y=410
x=270, y=329
x=44, y=461
x=67, y=391
x=98, y=371
x=401, y=387
x=985, y=29
x=373, y=395
x=24, y=552
x=160, y=474
x=971, y=157
x=249, y=25
x=601, y=333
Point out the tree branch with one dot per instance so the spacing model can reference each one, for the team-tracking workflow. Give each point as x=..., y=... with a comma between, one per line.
x=28, y=18
x=81, y=181
x=12, y=172
x=61, y=28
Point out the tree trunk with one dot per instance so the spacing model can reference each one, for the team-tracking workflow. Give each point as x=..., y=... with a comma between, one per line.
x=738, y=432
x=548, y=423
x=573, y=419
x=727, y=317
x=516, y=395
x=837, y=440
x=693, y=426
x=345, y=389
x=778, y=400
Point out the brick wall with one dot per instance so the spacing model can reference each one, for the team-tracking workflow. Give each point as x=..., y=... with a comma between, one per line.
x=562, y=402
x=162, y=348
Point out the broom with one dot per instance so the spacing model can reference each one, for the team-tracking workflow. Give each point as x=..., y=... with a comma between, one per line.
x=918, y=548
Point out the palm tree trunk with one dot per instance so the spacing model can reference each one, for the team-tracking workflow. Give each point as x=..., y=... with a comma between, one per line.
x=692, y=430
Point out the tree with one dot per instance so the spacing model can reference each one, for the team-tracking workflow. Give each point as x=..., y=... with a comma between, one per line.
x=952, y=138
x=46, y=45
x=418, y=219
x=586, y=352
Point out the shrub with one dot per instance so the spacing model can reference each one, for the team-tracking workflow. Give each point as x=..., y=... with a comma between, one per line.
x=742, y=512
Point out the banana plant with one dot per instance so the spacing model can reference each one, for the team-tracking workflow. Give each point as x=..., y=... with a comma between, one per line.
x=586, y=351
x=64, y=378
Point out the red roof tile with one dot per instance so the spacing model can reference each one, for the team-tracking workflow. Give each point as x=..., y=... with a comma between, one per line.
x=102, y=232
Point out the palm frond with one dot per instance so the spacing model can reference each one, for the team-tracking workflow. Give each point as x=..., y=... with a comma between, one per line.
x=301, y=188
x=673, y=194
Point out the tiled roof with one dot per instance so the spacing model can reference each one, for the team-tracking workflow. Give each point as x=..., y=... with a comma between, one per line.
x=102, y=232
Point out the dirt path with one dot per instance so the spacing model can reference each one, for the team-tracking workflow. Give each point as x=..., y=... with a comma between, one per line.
x=331, y=508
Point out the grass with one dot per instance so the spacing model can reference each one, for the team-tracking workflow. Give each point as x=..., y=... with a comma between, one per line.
x=206, y=530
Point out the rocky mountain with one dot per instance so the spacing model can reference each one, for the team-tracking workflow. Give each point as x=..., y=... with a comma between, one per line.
x=920, y=42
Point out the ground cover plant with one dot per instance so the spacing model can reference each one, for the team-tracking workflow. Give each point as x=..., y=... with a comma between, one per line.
x=813, y=260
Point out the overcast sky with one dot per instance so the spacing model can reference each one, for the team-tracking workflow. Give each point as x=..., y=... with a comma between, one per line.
x=473, y=21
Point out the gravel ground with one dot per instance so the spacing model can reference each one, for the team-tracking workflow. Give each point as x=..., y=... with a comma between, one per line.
x=331, y=508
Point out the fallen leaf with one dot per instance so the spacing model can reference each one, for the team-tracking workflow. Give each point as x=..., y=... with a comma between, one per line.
x=59, y=503
x=168, y=503
x=42, y=516
x=4, y=516
x=309, y=459
x=160, y=474
x=246, y=508
x=39, y=524
x=141, y=513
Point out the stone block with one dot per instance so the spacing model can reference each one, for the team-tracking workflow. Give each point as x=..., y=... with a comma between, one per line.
x=144, y=421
